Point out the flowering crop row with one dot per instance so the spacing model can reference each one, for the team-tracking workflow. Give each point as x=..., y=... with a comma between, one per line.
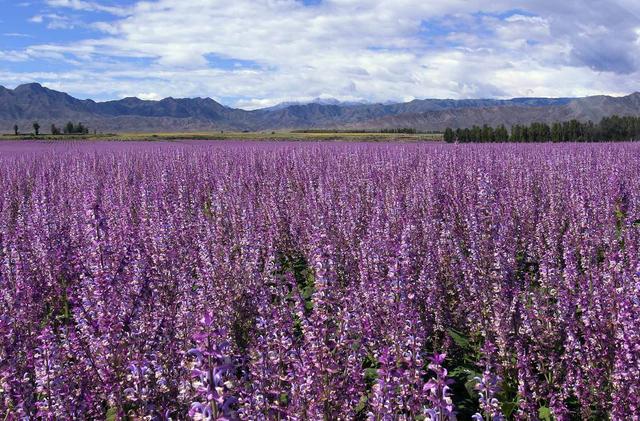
x=319, y=281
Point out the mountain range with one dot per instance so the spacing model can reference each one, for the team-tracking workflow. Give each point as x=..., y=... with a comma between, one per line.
x=31, y=102
x=318, y=100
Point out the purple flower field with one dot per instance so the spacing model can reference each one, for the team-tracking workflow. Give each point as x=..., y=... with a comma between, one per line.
x=309, y=281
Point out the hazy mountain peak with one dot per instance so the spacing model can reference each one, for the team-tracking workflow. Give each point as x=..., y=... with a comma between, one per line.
x=318, y=101
x=35, y=87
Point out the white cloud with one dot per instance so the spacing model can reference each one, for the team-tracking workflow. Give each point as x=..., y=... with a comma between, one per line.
x=54, y=21
x=253, y=104
x=152, y=96
x=372, y=50
x=88, y=6
x=17, y=35
x=13, y=56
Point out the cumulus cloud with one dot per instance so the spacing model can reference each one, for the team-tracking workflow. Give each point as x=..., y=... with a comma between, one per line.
x=372, y=50
x=601, y=34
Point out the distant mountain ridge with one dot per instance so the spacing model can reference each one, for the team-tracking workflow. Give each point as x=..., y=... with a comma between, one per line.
x=319, y=100
x=30, y=102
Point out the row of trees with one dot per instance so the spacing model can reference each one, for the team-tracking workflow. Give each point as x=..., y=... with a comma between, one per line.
x=614, y=128
x=69, y=128
x=403, y=130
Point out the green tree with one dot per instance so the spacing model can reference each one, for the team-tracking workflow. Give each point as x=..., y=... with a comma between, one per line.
x=612, y=128
x=556, y=132
x=487, y=134
x=516, y=133
x=81, y=129
x=69, y=128
x=468, y=137
x=459, y=135
x=36, y=128
x=16, y=129
x=476, y=134
x=449, y=136
x=539, y=132
x=501, y=134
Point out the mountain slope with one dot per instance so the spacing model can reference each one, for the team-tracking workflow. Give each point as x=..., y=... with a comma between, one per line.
x=583, y=109
x=35, y=101
x=32, y=102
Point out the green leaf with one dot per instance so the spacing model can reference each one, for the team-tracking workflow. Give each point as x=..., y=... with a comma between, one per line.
x=370, y=376
x=307, y=292
x=371, y=373
x=471, y=387
x=362, y=405
x=636, y=223
x=544, y=413
x=459, y=338
x=370, y=361
x=284, y=399
x=112, y=414
x=298, y=333
x=461, y=372
x=508, y=408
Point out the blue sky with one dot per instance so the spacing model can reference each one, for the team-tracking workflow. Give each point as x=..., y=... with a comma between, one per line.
x=254, y=53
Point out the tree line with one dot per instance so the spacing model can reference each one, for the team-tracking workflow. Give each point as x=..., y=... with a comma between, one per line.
x=69, y=128
x=403, y=130
x=398, y=130
x=614, y=128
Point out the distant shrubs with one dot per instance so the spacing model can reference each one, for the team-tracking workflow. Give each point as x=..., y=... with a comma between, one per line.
x=71, y=128
x=404, y=130
x=614, y=128
x=326, y=131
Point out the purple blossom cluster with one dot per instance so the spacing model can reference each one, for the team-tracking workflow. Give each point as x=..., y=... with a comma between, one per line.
x=303, y=281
